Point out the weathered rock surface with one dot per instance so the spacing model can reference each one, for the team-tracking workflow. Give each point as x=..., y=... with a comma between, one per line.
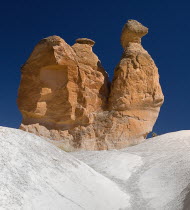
x=135, y=92
x=65, y=94
x=152, y=175
x=36, y=175
x=155, y=173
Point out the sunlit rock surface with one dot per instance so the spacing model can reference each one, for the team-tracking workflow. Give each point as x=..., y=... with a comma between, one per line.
x=65, y=94
x=36, y=175
x=155, y=173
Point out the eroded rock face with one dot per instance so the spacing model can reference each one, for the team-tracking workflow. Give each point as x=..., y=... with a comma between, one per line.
x=65, y=94
x=135, y=92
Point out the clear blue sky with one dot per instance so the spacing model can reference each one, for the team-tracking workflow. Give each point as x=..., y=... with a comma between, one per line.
x=24, y=23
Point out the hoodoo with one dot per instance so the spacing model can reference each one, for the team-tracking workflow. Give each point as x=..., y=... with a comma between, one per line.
x=135, y=94
x=65, y=95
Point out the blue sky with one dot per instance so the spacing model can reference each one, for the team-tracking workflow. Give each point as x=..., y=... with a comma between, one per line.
x=24, y=23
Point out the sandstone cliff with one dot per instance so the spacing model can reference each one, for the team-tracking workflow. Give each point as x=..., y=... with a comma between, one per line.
x=65, y=94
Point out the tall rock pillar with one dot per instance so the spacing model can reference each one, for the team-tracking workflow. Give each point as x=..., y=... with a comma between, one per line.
x=135, y=91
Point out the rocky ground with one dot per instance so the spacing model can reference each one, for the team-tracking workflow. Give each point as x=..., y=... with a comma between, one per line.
x=36, y=175
x=152, y=175
x=155, y=174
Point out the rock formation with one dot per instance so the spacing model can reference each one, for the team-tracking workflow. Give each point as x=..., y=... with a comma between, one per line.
x=135, y=92
x=65, y=94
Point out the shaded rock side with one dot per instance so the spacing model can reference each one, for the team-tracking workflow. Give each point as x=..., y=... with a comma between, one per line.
x=65, y=96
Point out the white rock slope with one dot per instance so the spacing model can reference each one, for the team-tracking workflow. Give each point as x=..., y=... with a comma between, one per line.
x=155, y=173
x=35, y=175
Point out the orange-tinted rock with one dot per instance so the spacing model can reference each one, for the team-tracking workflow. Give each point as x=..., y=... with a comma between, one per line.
x=64, y=93
x=137, y=76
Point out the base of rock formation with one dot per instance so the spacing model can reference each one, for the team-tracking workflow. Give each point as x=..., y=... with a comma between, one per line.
x=108, y=131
